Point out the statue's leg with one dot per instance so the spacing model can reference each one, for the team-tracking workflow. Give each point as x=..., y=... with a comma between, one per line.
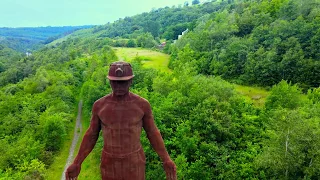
x=129, y=167
x=110, y=167
x=134, y=166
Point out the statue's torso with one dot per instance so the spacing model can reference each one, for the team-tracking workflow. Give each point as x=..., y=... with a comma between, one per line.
x=121, y=124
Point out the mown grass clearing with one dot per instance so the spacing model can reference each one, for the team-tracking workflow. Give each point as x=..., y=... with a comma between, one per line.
x=151, y=59
x=255, y=94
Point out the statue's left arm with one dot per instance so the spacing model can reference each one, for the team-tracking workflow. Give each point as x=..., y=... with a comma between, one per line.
x=87, y=144
x=157, y=143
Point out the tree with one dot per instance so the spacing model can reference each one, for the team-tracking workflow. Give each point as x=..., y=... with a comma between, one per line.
x=174, y=31
x=290, y=151
x=284, y=95
x=194, y=2
x=54, y=133
x=261, y=68
x=146, y=40
x=2, y=67
x=131, y=43
x=153, y=27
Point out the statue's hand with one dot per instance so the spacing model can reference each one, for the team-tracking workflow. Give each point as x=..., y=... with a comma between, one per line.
x=170, y=169
x=73, y=171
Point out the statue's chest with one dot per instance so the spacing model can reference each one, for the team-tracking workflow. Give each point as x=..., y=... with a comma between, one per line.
x=121, y=115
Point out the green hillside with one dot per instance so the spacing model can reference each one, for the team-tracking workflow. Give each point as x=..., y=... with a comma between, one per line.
x=165, y=23
x=257, y=42
x=31, y=38
x=8, y=56
x=215, y=121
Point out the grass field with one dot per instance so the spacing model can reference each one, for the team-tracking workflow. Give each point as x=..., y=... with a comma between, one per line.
x=152, y=59
x=255, y=94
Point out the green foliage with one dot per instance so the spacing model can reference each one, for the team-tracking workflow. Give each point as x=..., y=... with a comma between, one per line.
x=146, y=41
x=152, y=26
x=284, y=95
x=201, y=116
x=314, y=95
x=120, y=43
x=34, y=170
x=157, y=22
x=26, y=39
x=175, y=30
x=260, y=42
x=131, y=43
x=54, y=133
x=36, y=111
x=91, y=92
x=194, y=2
x=290, y=151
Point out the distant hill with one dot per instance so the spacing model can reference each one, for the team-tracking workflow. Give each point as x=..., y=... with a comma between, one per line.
x=164, y=23
x=31, y=38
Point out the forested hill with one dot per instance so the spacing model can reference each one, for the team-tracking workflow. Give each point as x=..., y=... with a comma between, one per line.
x=248, y=42
x=210, y=130
x=30, y=38
x=258, y=42
x=167, y=23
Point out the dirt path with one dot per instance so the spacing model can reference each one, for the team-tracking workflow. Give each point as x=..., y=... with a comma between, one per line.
x=77, y=132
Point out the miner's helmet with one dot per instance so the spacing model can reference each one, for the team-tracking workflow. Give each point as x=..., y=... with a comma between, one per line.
x=120, y=71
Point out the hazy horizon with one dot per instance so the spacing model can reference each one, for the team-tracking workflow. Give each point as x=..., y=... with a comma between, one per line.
x=37, y=13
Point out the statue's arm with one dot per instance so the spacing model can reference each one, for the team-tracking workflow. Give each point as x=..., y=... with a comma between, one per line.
x=153, y=134
x=157, y=143
x=90, y=138
x=87, y=144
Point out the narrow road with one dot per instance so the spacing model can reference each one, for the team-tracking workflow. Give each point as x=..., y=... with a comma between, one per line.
x=77, y=132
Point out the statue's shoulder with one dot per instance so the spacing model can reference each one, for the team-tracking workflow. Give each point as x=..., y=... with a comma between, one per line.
x=102, y=100
x=139, y=99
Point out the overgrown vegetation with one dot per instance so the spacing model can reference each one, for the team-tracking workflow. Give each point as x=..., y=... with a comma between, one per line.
x=37, y=108
x=257, y=42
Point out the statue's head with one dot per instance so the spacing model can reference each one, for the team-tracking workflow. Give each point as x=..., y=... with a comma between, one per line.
x=120, y=76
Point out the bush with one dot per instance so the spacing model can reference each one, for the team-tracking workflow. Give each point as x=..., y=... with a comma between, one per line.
x=54, y=133
x=284, y=95
x=131, y=43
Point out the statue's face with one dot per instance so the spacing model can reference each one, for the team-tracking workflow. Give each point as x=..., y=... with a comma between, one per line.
x=120, y=88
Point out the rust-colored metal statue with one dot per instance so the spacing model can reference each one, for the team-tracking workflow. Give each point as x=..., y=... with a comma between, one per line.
x=121, y=117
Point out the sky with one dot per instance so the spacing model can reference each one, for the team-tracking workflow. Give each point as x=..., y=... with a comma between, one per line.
x=37, y=13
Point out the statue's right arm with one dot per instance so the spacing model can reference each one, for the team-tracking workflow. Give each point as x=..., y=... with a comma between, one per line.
x=89, y=140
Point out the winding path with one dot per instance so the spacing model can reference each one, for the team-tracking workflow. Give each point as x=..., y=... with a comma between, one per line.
x=77, y=132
